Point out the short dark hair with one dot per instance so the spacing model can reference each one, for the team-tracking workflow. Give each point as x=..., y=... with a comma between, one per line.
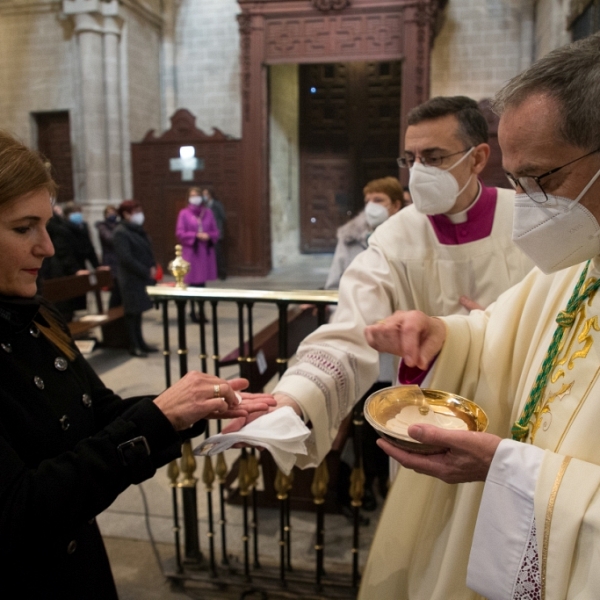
x=127, y=207
x=70, y=207
x=472, y=125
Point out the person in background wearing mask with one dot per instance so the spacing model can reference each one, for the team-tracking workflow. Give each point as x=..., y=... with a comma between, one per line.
x=106, y=230
x=522, y=516
x=383, y=198
x=136, y=270
x=197, y=232
x=218, y=211
x=83, y=248
x=74, y=253
x=454, y=243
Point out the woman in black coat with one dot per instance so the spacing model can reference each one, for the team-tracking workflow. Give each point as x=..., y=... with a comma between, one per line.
x=68, y=445
x=137, y=269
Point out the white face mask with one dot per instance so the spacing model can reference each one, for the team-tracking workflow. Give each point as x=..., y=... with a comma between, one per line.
x=195, y=200
x=137, y=218
x=433, y=190
x=556, y=233
x=376, y=214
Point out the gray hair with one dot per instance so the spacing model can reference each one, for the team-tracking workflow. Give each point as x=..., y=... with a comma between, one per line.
x=571, y=76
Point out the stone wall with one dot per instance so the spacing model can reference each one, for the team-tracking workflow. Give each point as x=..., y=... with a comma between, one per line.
x=478, y=48
x=141, y=84
x=36, y=65
x=284, y=164
x=208, y=68
x=550, y=21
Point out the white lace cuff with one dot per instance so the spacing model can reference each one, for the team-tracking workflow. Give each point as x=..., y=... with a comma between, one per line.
x=503, y=532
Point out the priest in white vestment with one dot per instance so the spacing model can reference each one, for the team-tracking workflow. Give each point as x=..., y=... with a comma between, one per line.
x=452, y=246
x=513, y=513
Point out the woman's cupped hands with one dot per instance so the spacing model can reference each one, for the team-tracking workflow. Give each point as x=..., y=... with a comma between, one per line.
x=201, y=396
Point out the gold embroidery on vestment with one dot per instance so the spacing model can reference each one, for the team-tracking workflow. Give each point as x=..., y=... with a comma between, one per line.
x=548, y=522
x=574, y=346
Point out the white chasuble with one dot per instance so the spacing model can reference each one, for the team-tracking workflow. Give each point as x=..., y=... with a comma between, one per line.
x=425, y=534
x=405, y=268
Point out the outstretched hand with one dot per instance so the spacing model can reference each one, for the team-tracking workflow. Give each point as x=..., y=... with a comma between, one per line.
x=413, y=335
x=468, y=454
x=280, y=400
x=251, y=406
x=199, y=395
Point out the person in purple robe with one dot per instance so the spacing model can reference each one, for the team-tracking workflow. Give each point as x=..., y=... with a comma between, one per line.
x=198, y=233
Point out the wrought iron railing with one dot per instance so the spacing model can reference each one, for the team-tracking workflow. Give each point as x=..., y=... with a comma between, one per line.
x=223, y=579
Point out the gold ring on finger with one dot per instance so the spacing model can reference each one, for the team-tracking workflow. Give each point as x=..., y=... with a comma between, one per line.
x=217, y=391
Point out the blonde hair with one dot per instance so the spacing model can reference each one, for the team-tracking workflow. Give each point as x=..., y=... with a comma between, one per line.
x=52, y=329
x=21, y=170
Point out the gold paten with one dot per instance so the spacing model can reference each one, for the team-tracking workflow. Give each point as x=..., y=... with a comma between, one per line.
x=385, y=404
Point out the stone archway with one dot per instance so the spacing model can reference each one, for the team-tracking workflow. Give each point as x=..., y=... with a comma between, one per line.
x=298, y=31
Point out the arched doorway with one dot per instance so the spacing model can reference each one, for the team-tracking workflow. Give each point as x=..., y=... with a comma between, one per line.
x=322, y=31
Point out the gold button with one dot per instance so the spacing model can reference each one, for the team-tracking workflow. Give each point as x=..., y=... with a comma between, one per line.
x=39, y=382
x=64, y=422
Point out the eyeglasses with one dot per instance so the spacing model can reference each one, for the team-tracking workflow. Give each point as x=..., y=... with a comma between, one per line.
x=531, y=184
x=406, y=162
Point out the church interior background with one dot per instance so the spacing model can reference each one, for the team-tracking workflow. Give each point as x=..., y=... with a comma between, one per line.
x=292, y=105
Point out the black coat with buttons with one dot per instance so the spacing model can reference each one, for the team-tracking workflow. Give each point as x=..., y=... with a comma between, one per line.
x=68, y=447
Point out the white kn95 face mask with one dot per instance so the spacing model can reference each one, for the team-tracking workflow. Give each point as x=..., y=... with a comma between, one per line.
x=555, y=232
x=433, y=190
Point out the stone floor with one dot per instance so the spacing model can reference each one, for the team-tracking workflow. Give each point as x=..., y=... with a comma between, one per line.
x=138, y=527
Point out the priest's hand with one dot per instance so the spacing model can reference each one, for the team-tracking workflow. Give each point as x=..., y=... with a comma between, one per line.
x=468, y=454
x=413, y=335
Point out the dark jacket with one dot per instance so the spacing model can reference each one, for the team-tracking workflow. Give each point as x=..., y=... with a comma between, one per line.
x=60, y=431
x=135, y=257
x=64, y=261
x=218, y=211
x=106, y=229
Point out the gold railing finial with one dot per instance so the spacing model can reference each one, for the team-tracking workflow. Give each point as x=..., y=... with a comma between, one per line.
x=188, y=465
x=320, y=483
x=179, y=267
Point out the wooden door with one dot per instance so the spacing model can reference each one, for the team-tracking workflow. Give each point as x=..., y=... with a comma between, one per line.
x=327, y=184
x=349, y=132
x=54, y=142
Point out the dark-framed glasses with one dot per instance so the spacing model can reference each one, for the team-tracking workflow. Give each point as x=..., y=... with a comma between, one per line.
x=406, y=162
x=532, y=184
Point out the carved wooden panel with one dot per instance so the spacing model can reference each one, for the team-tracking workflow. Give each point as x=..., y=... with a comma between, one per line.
x=326, y=185
x=163, y=193
x=364, y=36
x=351, y=111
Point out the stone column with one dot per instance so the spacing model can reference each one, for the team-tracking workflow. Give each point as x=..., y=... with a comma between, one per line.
x=169, y=61
x=89, y=28
x=112, y=80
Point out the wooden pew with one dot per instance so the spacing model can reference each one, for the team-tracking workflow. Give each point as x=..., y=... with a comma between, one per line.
x=111, y=321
